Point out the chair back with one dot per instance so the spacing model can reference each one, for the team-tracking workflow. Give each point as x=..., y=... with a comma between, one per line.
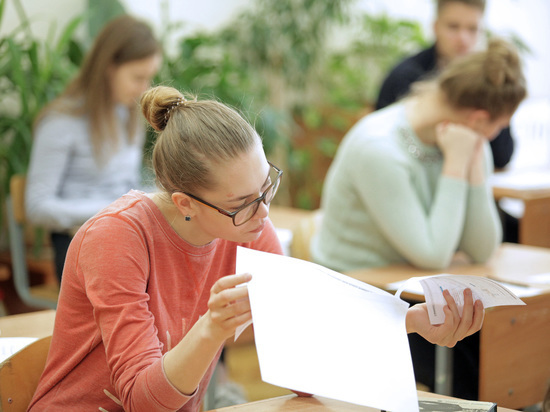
x=43, y=296
x=20, y=373
x=303, y=233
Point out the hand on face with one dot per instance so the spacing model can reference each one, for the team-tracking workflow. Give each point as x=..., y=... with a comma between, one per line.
x=459, y=145
x=228, y=306
x=456, y=140
x=455, y=328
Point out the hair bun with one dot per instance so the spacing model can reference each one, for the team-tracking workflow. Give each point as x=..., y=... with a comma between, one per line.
x=502, y=62
x=157, y=103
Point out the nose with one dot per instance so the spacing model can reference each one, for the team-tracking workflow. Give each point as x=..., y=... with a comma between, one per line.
x=263, y=211
x=466, y=38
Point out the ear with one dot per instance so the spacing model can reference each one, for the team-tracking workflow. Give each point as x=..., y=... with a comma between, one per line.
x=478, y=117
x=183, y=203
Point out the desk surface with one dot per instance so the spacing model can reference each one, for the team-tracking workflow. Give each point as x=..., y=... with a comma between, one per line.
x=511, y=263
x=524, y=184
x=293, y=403
x=532, y=186
x=287, y=217
x=33, y=324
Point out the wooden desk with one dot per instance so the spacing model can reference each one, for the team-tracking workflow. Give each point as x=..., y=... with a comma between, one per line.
x=533, y=188
x=287, y=217
x=293, y=403
x=514, y=340
x=33, y=324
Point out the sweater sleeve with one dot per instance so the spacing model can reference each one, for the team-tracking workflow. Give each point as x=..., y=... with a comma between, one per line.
x=51, y=153
x=482, y=227
x=427, y=237
x=114, y=270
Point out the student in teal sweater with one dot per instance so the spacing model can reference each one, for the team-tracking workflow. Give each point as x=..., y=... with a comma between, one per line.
x=409, y=184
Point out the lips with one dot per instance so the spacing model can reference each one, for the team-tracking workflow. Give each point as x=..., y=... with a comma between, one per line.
x=259, y=228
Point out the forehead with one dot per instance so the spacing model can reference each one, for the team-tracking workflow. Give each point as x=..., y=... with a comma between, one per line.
x=457, y=11
x=240, y=176
x=146, y=65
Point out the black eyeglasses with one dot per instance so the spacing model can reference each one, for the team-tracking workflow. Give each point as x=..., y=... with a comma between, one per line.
x=245, y=212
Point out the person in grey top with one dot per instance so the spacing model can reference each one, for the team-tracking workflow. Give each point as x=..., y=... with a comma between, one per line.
x=88, y=142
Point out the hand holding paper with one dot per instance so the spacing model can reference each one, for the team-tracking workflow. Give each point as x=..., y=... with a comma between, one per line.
x=228, y=306
x=488, y=291
x=455, y=328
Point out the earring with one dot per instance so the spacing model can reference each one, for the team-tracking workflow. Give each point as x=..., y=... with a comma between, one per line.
x=187, y=218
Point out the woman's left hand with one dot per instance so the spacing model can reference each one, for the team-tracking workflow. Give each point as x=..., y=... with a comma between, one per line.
x=454, y=328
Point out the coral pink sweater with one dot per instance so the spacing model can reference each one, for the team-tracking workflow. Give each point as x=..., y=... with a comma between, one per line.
x=132, y=288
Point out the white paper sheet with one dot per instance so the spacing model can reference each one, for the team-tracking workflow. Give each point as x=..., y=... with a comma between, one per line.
x=324, y=333
x=490, y=292
x=8, y=346
x=413, y=285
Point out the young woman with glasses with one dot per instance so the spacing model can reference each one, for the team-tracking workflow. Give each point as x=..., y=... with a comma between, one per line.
x=149, y=295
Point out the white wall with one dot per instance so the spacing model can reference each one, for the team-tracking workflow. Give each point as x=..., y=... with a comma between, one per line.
x=527, y=18
x=44, y=15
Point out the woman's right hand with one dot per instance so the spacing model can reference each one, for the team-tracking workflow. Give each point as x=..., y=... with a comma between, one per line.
x=458, y=144
x=228, y=306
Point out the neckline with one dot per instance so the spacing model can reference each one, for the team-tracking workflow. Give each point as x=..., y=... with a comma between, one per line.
x=416, y=148
x=169, y=231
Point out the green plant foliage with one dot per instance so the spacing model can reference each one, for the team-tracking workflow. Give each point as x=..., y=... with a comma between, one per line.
x=101, y=11
x=275, y=63
x=32, y=72
x=355, y=73
x=258, y=63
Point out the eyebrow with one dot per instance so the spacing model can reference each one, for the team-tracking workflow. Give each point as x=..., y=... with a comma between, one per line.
x=241, y=198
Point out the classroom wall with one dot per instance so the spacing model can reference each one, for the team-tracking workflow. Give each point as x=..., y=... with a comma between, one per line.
x=44, y=15
x=527, y=18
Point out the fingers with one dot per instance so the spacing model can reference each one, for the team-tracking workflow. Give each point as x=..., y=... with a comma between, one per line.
x=229, y=306
x=465, y=322
x=230, y=282
x=454, y=328
x=479, y=315
x=225, y=292
x=458, y=327
x=451, y=304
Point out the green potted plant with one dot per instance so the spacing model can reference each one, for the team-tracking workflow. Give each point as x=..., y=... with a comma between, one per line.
x=276, y=64
x=32, y=72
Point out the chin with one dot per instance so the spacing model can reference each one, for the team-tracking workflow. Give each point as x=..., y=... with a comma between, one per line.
x=248, y=237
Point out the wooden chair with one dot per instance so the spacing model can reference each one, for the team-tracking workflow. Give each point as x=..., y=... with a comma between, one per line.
x=19, y=375
x=42, y=296
x=303, y=233
x=546, y=402
x=514, y=354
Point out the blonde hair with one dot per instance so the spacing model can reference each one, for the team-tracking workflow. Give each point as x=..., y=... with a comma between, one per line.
x=193, y=135
x=480, y=4
x=490, y=80
x=122, y=40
